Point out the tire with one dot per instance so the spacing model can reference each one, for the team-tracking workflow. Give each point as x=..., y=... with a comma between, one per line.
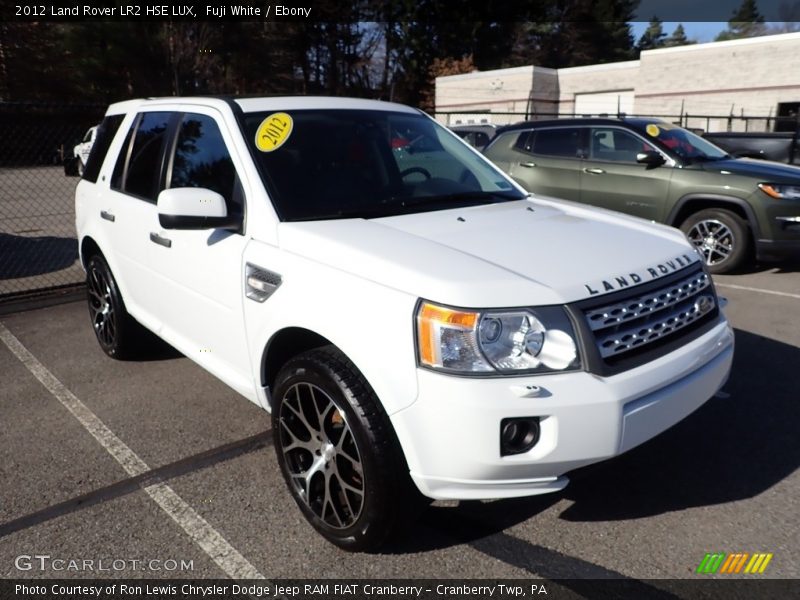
x=338, y=452
x=721, y=236
x=118, y=334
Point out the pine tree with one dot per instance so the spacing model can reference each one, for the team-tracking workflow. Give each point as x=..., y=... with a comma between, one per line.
x=678, y=38
x=653, y=37
x=745, y=22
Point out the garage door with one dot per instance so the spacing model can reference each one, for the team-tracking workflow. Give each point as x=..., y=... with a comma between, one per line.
x=608, y=103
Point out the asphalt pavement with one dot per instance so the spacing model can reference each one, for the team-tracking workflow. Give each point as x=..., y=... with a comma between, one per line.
x=154, y=469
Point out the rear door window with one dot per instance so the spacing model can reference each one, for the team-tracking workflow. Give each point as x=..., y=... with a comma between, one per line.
x=103, y=138
x=561, y=141
x=138, y=169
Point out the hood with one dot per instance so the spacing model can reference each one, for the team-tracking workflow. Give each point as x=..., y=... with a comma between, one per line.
x=765, y=170
x=526, y=252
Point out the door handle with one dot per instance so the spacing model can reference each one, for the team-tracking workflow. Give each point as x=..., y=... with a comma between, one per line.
x=161, y=241
x=594, y=171
x=527, y=164
x=107, y=216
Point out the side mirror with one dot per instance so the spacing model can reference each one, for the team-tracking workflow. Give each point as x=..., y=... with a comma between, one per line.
x=651, y=158
x=194, y=208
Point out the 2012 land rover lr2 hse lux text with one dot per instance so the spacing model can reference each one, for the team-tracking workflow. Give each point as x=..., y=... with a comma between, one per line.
x=416, y=323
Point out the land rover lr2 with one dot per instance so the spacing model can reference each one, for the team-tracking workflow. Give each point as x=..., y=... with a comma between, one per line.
x=416, y=323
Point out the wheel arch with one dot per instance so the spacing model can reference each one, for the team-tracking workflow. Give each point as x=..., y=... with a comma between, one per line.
x=692, y=203
x=291, y=341
x=89, y=247
x=282, y=346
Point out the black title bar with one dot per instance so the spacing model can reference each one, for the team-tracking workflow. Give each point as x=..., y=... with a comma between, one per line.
x=376, y=10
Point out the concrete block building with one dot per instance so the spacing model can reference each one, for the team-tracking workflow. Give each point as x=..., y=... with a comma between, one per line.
x=752, y=77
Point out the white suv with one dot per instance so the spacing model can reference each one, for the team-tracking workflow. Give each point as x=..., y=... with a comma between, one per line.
x=417, y=324
x=82, y=150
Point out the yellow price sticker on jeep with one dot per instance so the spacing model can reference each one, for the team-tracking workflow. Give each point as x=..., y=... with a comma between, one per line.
x=652, y=130
x=273, y=132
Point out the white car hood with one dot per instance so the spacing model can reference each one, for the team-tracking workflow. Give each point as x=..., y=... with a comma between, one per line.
x=509, y=254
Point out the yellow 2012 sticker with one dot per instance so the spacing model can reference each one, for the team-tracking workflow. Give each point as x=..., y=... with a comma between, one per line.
x=652, y=130
x=273, y=132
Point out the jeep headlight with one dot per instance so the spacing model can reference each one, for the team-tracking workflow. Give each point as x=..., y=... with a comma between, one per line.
x=535, y=340
x=780, y=191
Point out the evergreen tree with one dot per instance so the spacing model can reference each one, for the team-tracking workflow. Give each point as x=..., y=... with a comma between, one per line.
x=32, y=62
x=388, y=50
x=745, y=22
x=575, y=33
x=653, y=37
x=678, y=38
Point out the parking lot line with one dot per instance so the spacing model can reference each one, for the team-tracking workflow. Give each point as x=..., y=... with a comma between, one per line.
x=123, y=487
x=225, y=556
x=759, y=290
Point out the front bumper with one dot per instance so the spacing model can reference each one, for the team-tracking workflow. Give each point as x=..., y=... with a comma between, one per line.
x=450, y=435
x=779, y=237
x=769, y=250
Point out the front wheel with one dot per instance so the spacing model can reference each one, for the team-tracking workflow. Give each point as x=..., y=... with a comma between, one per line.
x=721, y=236
x=338, y=452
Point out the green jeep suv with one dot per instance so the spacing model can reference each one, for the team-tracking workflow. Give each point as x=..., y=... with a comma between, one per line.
x=729, y=208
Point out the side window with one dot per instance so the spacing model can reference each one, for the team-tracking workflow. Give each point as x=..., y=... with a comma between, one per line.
x=616, y=145
x=202, y=160
x=562, y=141
x=122, y=160
x=524, y=141
x=103, y=137
x=138, y=167
x=481, y=139
x=144, y=164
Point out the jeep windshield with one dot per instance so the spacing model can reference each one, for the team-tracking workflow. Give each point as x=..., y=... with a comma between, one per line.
x=335, y=164
x=686, y=145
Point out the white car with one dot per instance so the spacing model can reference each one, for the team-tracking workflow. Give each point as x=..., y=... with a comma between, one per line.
x=82, y=150
x=416, y=323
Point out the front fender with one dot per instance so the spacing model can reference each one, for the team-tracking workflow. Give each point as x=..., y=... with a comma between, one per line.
x=718, y=199
x=373, y=325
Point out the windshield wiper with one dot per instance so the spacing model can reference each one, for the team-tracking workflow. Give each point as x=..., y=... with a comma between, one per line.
x=471, y=197
x=402, y=205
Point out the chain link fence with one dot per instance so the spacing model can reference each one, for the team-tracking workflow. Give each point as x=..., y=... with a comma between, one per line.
x=700, y=123
x=38, y=248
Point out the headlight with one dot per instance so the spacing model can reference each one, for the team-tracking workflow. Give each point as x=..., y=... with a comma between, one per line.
x=780, y=191
x=536, y=340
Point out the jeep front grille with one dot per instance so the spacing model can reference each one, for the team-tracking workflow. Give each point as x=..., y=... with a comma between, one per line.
x=645, y=318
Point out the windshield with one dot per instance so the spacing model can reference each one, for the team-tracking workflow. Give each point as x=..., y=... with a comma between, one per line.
x=327, y=164
x=684, y=143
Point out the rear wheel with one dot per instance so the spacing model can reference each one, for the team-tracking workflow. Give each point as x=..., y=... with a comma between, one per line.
x=118, y=334
x=721, y=236
x=337, y=451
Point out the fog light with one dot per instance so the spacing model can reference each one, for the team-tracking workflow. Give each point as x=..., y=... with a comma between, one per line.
x=518, y=435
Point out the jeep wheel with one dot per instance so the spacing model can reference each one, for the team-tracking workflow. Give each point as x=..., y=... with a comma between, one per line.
x=721, y=236
x=117, y=332
x=337, y=451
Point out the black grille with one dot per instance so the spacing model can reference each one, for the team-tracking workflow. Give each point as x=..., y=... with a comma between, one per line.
x=627, y=326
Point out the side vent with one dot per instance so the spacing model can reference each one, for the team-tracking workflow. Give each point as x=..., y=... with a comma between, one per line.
x=260, y=283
